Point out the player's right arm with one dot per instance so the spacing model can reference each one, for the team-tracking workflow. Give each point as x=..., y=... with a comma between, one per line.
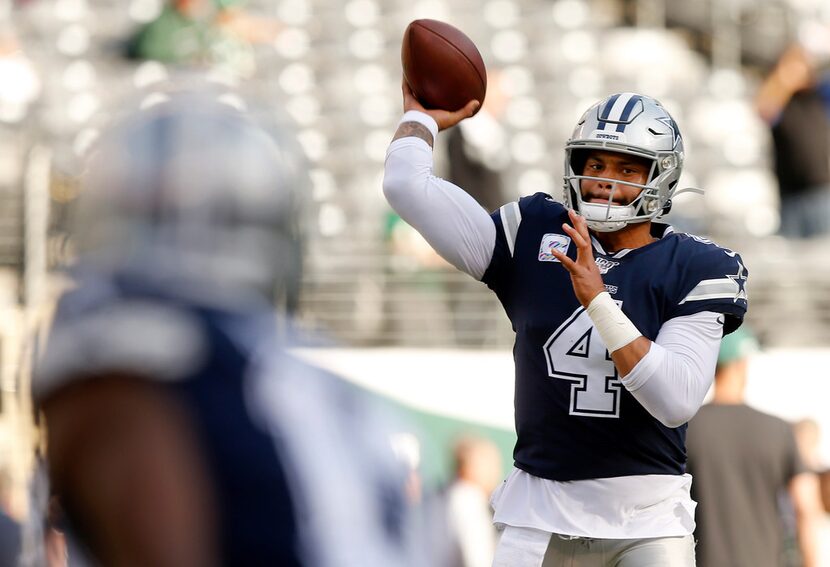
x=453, y=223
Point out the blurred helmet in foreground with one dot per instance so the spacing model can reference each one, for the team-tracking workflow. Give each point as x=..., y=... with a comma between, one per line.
x=632, y=124
x=192, y=189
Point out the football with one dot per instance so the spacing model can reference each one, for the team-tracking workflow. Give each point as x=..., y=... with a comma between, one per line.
x=442, y=66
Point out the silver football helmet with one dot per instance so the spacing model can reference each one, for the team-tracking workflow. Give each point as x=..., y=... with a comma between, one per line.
x=194, y=190
x=632, y=124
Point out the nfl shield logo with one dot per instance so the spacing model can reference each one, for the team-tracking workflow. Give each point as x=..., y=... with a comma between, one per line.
x=551, y=242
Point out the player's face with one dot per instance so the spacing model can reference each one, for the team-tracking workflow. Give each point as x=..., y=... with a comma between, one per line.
x=613, y=165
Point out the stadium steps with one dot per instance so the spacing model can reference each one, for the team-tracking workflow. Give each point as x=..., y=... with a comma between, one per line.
x=360, y=294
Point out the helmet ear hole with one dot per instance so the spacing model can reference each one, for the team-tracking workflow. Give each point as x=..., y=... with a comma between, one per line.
x=667, y=207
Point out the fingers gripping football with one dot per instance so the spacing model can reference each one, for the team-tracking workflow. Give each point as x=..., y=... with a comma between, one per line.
x=444, y=118
x=585, y=276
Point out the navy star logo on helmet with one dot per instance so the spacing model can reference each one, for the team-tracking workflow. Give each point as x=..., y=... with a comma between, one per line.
x=675, y=131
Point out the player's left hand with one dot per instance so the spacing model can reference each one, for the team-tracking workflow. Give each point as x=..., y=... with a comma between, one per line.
x=585, y=275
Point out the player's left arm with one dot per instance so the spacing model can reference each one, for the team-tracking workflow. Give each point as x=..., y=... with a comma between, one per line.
x=670, y=376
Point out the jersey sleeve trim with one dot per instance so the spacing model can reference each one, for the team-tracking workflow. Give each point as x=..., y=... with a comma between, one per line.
x=135, y=337
x=511, y=218
x=720, y=288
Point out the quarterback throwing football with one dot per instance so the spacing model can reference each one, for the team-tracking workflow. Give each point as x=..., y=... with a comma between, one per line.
x=618, y=321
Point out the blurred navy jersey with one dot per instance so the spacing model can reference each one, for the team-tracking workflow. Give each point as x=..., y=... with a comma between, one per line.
x=300, y=467
x=574, y=419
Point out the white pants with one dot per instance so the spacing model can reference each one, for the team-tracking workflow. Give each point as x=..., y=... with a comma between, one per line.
x=527, y=547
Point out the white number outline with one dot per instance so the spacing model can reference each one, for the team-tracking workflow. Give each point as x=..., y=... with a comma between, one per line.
x=580, y=382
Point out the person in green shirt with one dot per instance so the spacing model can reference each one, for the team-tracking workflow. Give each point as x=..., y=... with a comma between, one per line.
x=202, y=33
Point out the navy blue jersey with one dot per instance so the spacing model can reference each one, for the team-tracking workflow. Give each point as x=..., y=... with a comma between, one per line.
x=574, y=419
x=293, y=452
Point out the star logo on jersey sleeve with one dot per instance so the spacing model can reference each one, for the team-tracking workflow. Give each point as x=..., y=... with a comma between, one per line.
x=739, y=279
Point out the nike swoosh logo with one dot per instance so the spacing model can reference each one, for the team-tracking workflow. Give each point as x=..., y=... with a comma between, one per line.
x=721, y=319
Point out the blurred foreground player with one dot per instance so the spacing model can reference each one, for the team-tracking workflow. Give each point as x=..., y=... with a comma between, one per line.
x=179, y=432
x=618, y=320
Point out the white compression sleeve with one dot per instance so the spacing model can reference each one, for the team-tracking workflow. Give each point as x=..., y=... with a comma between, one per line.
x=672, y=379
x=453, y=223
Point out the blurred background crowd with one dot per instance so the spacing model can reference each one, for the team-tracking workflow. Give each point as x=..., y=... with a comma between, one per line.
x=747, y=81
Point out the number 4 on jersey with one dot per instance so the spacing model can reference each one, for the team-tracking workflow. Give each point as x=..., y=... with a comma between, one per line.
x=575, y=352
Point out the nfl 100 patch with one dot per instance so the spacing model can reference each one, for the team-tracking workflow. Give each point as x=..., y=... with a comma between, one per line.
x=551, y=242
x=605, y=265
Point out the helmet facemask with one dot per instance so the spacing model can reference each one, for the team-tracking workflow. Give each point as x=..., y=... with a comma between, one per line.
x=653, y=200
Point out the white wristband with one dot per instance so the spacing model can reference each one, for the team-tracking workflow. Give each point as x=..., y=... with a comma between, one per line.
x=421, y=118
x=613, y=326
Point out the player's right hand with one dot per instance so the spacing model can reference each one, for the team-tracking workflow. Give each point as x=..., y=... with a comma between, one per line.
x=585, y=276
x=444, y=118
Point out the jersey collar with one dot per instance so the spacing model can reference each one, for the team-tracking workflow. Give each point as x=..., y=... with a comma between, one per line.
x=658, y=230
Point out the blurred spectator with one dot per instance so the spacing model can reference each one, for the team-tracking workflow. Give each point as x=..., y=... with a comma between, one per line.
x=202, y=32
x=742, y=460
x=417, y=271
x=477, y=151
x=478, y=157
x=10, y=530
x=478, y=470
x=794, y=100
x=808, y=437
x=825, y=490
x=20, y=84
x=405, y=243
x=180, y=430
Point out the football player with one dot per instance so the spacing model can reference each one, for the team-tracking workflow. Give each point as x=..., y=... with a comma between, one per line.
x=618, y=320
x=180, y=433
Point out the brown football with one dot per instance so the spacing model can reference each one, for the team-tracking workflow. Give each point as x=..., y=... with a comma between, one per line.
x=442, y=65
